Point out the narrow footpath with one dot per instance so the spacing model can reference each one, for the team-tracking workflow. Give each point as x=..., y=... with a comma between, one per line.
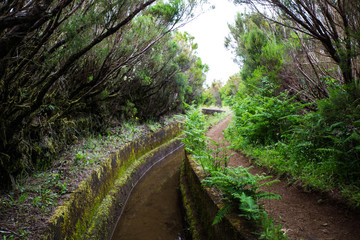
x=303, y=215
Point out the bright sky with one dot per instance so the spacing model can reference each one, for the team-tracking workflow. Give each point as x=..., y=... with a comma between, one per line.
x=210, y=30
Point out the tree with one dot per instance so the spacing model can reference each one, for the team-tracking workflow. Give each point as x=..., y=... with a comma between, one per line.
x=335, y=24
x=69, y=59
x=212, y=94
x=259, y=51
x=195, y=68
x=232, y=87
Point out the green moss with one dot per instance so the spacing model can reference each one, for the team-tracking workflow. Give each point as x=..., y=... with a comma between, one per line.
x=104, y=212
x=188, y=210
x=90, y=206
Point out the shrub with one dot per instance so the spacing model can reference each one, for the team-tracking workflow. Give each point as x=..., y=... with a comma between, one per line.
x=241, y=192
x=330, y=137
x=265, y=120
x=320, y=148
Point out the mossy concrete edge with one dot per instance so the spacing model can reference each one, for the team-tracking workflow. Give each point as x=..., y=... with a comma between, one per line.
x=72, y=219
x=205, y=203
x=108, y=213
x=194, y=226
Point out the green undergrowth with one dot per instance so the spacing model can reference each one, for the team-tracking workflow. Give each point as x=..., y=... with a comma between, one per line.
x=37, y=195
x=239, y=188
x=318, y=149
x=311, y=175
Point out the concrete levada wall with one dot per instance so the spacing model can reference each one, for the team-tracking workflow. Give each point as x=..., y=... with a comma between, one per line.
x=94, y=208
x=201, y=205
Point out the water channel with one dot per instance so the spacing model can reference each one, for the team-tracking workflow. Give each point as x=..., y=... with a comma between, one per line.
x=153, y=209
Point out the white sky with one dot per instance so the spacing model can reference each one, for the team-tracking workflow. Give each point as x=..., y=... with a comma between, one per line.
x=210, y=30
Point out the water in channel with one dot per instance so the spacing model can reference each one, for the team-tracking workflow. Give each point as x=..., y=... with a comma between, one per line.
x=153, y=211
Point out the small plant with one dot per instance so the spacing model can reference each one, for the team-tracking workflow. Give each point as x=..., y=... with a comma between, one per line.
x=16, y=235
x=12, y=201
x=129, y=127
x=241, y=192
x=37, y=201
x=45, y=199
x=20, y=200
x=53, y=178
x=80, y=156
x=153, y=126
x=195, y=140
x=270, y=230
x=62, y=186
x=219, y=156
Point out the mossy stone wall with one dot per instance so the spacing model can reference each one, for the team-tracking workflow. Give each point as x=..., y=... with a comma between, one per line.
x=93, y=209
x=201, y=207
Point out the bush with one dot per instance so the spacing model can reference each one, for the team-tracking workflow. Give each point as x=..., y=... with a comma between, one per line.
x=265, y=120
x=241, y=192
x=195, y=129
x=319, y=148
x=330, y=137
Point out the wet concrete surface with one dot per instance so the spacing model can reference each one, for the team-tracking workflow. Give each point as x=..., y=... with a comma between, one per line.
x=153, y=209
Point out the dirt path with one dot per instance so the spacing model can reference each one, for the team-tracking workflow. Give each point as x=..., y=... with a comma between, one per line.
x=304, y=215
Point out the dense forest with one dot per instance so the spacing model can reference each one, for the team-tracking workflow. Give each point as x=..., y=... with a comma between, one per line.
x=296, y=100
x=73, y=68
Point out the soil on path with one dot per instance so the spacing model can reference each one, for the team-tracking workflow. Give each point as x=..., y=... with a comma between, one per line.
x=303, y=215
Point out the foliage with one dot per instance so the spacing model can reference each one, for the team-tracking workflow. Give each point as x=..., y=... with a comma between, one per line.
x=265, y=120
x=319, y=148
x=152, y=125
x=271, y=231
x=232, y=87
x=241, y=192
x=261, y=55
x=240, y=189
x=211, y=95
x=330, y=136
x=197, y=144
x=219, y=156
x=333, y=24
x=195, y=128
x=207, y=98
x=71, y=68
x=195, y=140
x=316, y=143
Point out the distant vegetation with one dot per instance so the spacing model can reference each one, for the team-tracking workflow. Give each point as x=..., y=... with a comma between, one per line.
x=73, y=68
x=296, y=100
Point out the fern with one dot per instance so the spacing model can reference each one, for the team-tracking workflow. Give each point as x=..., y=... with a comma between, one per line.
x=241, y=191
x=222, y=213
